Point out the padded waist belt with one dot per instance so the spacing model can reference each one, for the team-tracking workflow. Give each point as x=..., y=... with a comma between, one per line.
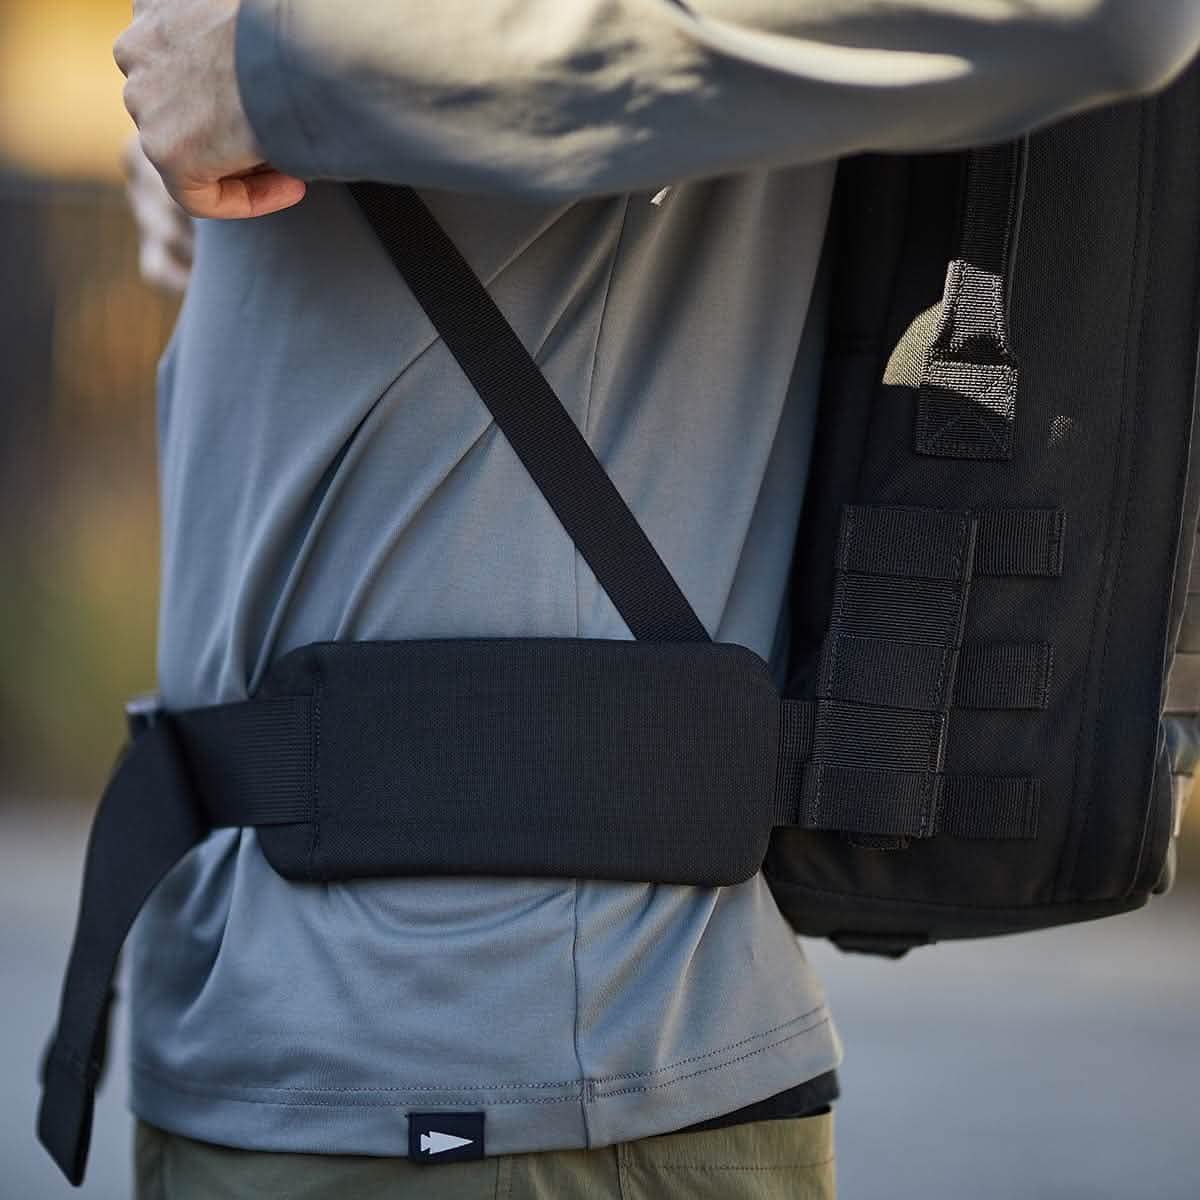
x=626, y=760
x=662, y=761
x=607, y=759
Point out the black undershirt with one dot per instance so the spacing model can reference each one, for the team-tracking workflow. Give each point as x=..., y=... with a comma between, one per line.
x=804, y=1100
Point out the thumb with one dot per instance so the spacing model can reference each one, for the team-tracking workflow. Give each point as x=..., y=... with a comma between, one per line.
x=254, y=194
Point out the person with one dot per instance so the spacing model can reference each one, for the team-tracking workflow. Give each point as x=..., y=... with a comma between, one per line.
x=643, y=185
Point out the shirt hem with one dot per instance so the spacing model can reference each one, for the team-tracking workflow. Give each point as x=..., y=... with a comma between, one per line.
x=520, y=1118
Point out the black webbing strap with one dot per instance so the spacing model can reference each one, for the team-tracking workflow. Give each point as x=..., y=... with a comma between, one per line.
x=904, y=674
x=1010, y=675
x=968, y=395
x=531, y=416
x=130, y=849
x=1026, y=542
x=918, y=804
x=894, y=665
x=796, y=723
x=251, y=761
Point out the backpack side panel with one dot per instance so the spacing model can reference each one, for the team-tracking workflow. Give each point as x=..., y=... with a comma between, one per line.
x=1103, y=320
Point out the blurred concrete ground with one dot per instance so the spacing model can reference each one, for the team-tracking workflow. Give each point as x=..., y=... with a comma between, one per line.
x=1054, y=1066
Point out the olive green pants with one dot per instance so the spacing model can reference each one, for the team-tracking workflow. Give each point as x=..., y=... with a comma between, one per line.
x=765, y=1160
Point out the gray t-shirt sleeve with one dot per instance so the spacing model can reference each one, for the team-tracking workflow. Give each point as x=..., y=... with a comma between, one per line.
x=560, y=99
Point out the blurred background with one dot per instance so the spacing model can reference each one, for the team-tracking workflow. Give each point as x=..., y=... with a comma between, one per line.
x=1063, y=1065
x=81, y=334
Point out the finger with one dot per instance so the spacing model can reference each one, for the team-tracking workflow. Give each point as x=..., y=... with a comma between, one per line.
x=241, y=196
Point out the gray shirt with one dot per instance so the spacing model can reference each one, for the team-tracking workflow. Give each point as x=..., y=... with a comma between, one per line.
x=326, y=473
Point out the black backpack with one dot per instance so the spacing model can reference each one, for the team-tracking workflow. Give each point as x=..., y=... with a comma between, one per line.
x=988, y=585
x=998, y=535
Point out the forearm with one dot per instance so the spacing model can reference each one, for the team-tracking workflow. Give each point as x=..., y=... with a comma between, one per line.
x=563, y=98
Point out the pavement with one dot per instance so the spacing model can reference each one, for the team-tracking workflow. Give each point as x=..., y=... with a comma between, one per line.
x=1062, y=1065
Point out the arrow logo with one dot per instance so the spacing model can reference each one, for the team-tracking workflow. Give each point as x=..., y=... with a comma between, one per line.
x=445, y=1137
x=438, y=1143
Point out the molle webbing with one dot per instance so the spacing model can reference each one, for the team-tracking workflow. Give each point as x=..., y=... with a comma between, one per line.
x=893, y=668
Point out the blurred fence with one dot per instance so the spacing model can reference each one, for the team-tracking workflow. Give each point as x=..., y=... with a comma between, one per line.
x=80, y=337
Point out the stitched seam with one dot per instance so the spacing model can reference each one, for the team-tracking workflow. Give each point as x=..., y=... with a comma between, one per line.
x=1047, y=674
x=685, y=1062
x=718, y=1066
x=1151, y=803
x=1066, y=881
x=848, y=540
x=933, y=906
x=577, y=1093
x=466, y=1087
x=224, y=1093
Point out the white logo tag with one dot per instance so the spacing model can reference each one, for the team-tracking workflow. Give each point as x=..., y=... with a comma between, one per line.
x=437, y=1143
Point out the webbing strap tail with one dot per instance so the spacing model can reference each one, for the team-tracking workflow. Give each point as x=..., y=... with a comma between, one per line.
x=129, y=851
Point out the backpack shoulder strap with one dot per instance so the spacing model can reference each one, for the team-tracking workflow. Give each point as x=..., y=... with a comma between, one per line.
x=530, y=415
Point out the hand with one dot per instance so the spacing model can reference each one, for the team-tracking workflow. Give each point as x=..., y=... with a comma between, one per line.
x=165, y=232
x=181, y=89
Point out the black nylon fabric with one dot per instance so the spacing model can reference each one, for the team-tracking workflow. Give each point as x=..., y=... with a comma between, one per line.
x=968, y=395
x=1004, y=675
x=916, y=543
x=534, y=756
x=895, y=804
x=886, y=686
x=1071, y=614
x=251, y=763
x=1021, y=542
x=129, y=851
x=903, y=674
x=796, y=719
